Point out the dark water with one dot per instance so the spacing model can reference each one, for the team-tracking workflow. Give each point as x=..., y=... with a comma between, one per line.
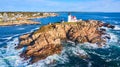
x=108, y=56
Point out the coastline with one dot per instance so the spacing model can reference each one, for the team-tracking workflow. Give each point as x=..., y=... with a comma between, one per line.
x=10, y=39
x=18, y=23
x=25, y=20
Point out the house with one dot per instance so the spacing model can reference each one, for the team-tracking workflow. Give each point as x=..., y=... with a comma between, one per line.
x=71, y=18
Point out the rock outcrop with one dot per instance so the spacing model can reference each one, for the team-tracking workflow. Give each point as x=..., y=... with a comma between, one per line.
x=48, y=40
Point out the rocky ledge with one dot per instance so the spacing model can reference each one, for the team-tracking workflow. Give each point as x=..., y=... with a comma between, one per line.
x=48, y=40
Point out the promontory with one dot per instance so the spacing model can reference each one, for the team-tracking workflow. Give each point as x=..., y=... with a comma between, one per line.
x=49, y=39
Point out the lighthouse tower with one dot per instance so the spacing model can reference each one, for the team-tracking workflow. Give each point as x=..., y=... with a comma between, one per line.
x=69, y=17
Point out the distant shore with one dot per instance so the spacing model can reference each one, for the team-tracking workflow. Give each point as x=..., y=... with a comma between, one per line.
x=26, y=20
x=18, y=23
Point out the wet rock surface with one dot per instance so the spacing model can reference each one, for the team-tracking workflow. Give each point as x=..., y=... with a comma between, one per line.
x=48, y=40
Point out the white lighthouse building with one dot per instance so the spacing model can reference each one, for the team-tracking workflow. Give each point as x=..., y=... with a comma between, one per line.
x=71, y=18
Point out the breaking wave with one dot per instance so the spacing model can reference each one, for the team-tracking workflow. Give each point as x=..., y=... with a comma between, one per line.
x=63, y=58
x=117, y=27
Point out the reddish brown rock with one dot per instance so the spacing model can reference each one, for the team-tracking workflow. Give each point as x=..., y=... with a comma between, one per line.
x=48, y=39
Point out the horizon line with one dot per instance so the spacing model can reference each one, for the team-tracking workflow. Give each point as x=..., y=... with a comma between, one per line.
x=63, y=11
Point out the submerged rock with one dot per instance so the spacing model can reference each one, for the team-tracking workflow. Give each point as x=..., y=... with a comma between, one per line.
x=48, y=40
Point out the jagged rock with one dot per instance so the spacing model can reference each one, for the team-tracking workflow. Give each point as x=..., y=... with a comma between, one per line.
x=48, y=39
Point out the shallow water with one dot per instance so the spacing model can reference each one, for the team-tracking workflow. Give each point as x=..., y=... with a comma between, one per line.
x=107, y=56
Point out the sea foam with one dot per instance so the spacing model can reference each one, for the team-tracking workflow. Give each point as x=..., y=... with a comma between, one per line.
x=117, y=27
x=61, y=58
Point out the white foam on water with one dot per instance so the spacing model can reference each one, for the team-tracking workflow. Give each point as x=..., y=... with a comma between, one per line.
x=77, y=51
x=89, y=64
x=108, y=60
x=11, y=46
x=114, y=37
x=44, y=63
x=107, y=29
x=89, y=45
x=20, y=28
x=8, y=38
x=10, y=55
x=117, y=27
x=34, y=29
x=95, y=53
x=61, y=58
x=105, y=17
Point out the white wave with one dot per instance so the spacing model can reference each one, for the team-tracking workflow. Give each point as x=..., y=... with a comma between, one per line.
x=44, y=63
x=8, y=38
x=20, y=28
x=114, y=37
x=117, y=27
x=61, y=58
x=108, y=60
x=105, y=17
x=89, y=64
x=11, y=46
x=89, y=45
x=34, y=29
x=11, y=55
x=107, y=29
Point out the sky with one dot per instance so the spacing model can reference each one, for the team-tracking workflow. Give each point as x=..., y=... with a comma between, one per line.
x=61, y=5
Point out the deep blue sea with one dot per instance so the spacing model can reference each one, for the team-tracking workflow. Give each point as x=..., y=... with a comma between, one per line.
x=107, y=56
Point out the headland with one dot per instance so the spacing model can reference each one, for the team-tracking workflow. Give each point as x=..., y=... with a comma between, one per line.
x=50, y=39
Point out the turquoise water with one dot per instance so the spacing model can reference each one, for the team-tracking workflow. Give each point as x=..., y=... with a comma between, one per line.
x=108, y=56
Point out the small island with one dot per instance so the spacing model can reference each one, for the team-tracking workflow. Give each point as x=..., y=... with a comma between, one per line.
x=50, y=39
x=19, y=18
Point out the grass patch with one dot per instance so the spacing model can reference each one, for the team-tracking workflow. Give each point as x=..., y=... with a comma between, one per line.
x=44, y=29
x=52, y=26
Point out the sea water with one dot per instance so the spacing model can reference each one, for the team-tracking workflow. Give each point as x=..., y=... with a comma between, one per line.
x=107, y=56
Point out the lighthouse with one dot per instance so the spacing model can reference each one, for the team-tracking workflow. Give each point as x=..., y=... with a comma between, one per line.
x=69, y=17
x=72, y=18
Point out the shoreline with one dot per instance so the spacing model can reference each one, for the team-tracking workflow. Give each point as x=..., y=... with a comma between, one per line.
x=25, y=20
x=22, y=22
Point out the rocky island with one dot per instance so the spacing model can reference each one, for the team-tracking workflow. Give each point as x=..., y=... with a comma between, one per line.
x=19, y=18
x=49, y=39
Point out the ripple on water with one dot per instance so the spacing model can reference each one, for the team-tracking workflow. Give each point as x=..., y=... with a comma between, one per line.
x=20, y=28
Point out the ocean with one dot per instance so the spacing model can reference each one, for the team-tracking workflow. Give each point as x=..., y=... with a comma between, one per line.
x=107, y=56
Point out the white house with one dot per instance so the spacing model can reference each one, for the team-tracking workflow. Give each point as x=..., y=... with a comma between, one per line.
x=71, y=18
x=5, y=17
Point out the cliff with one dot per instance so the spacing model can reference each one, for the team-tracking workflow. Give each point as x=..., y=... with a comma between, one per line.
x=48, y=40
